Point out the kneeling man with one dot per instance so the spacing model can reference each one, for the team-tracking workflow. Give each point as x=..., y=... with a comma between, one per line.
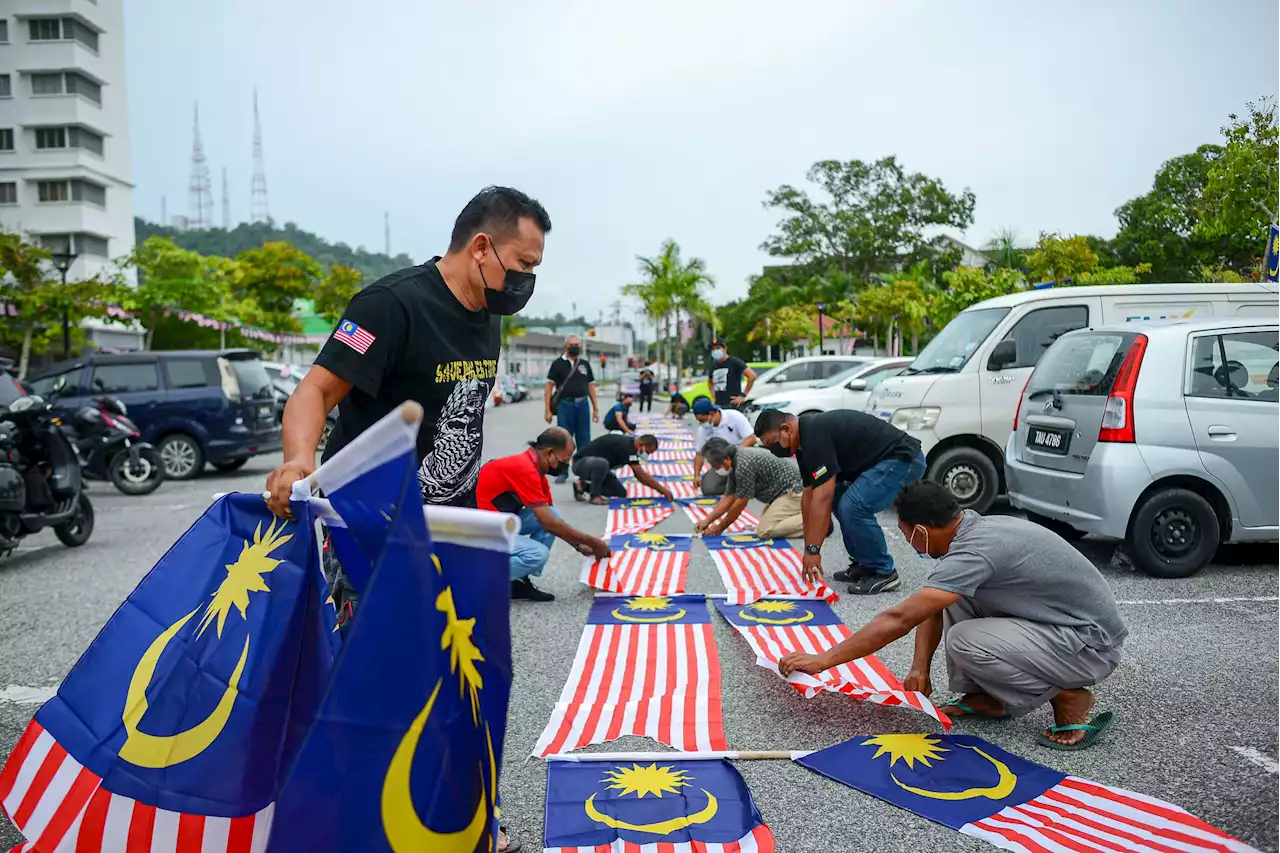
x=518, y=485
x=753, y=472
x=1025, y=617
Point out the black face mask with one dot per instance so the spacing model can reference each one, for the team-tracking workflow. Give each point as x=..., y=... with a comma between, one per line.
x=518, y=288
x=574, y=350
x=559, y=469
x=778, y=450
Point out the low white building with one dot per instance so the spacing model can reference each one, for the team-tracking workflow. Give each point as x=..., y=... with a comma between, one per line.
x=529, y=356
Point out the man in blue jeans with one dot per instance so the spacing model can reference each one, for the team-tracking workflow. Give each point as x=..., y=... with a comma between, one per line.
x=571, y=386
x=853, y=465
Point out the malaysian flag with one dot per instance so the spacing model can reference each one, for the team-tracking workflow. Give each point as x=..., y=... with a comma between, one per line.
x=978, y=789
x=645, y=666
x=635, y=515
x=699, y=507
x=754, y=568
x=660, y=806
x=356, y=337
x=661, y=469
x=680, y=487
x=774, y=628
x=641, y=564
x=666, y=455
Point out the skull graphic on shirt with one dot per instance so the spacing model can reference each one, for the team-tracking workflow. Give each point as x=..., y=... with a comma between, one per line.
x=452, y=466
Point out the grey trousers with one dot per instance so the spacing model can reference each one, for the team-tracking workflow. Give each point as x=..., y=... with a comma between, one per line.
x=713, y=483
x=1021, y=663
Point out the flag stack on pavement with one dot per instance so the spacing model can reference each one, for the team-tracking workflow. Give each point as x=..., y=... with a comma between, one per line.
x=635, y=515
x=698, y=508
x=641, y=564
x=754, y=568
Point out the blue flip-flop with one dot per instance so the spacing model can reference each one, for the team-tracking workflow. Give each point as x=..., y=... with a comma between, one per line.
x=1092, y=729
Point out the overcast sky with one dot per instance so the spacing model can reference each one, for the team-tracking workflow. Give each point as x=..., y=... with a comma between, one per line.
x=634, y=122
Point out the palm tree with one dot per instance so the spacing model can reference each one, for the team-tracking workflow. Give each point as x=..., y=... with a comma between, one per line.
x=1003, y=249
x=671, y=289
x=512, y=328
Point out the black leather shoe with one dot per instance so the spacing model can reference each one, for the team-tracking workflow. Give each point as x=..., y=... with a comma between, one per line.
x=875, y=584
x=853, y=574
x=524, y=589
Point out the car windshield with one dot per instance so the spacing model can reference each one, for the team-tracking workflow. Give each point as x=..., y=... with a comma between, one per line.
x=1085, y=365
x=841, y=377
x=957, y=342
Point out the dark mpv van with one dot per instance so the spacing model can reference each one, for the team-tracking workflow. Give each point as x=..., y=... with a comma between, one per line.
x=195, y=406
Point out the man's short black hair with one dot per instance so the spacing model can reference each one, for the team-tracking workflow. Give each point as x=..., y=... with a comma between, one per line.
x=552, y=438
x=649, y=441
x=497, y=211
x=716, y=450
x=928, y=503
x=628, y=395
x=769, y=421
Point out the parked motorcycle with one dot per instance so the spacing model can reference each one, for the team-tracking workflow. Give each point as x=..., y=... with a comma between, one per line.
x=108, y=447
x=40, y=481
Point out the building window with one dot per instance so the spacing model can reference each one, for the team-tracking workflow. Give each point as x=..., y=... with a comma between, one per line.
x=60, y=29
x=6, y=86
x=50, y=191
x=46, y=84
x=90, y=192
x=78, y=84
x=91, y=244
x=8, y=192
x=51, y=137
x=4, y=30
x=70, y=83
x=46, y=29
x=73, y=29
x=57, y=244
x=79, y=137
x=6, y=138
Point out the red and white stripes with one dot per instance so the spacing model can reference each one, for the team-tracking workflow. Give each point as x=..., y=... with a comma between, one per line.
x=638, y=572
x=656, y=681
x=61, y=807
x=678, y=489
x=746, y=522
x=660, y=469
x=1077, y=815
x=750, y=574
x=866, y=678
x=635, y=519
x=759, y=841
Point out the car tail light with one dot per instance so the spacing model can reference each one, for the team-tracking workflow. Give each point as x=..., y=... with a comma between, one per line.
x=1117, y=417
x=1018, y=411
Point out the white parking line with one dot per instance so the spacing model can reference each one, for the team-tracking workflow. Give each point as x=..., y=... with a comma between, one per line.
x=1253, y=756
x=19, y=695
x=1200, y=600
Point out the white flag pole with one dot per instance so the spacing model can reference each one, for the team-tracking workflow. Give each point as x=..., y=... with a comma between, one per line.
x=708, y=755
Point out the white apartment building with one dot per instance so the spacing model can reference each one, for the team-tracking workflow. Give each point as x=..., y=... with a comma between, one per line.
x=64, y=133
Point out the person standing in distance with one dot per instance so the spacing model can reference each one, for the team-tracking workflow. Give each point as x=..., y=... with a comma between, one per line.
x=571, y=384
x=647, y=384
x=726, y=375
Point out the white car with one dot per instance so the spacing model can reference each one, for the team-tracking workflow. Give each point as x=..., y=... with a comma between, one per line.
x=804, y=373
x=850, y=389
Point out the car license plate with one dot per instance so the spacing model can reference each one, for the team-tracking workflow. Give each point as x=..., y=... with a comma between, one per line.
x=884, y=416
x=1049, y=440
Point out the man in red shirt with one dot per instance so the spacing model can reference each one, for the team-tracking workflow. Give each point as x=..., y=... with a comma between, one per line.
x=518, y=485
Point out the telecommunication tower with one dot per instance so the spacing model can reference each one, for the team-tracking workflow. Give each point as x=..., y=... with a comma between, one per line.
x=258, y=208
x=201, y=191
x=226, y=202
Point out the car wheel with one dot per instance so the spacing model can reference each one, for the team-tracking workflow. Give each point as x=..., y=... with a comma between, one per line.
x=1174, y=534
x=76, y=531
x=1066, y=531
x=231, y=464
x=970, y=477
x=183, y=459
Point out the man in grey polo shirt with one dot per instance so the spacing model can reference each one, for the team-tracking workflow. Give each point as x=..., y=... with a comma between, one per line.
x=1025, y=617
x=754, y=473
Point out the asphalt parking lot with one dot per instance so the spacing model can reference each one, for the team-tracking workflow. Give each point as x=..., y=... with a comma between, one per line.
x=1195, y=697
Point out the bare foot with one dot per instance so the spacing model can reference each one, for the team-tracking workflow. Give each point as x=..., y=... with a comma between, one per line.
x=1070, y=707
x=981, y=703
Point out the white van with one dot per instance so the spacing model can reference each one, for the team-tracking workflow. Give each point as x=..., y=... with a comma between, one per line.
x=960, y=394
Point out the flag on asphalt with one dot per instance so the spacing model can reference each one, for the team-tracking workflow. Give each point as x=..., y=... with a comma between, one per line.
x=641, y=564
x=661, y=469
x=183, y=716
x=668, y=806
x=635, y=515
x=405, y=749
x=977, y=788
x=774, y=628
x=699, y=507
x=753, y=568
x=646, y=666
x=680, y=486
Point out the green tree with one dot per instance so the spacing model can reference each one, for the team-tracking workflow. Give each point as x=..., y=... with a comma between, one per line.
x=335, y=290
x=873, y=216
x=1073, y=260
x=967, y=286
x=1003, y=249
x=271, y=277
x=1239, y=200
x=170, y=280
x=897, y=306
x=512, y=328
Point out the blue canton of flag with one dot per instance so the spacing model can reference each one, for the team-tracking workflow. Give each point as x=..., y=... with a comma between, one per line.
x=639, y=503
x=649, y=610
x=650, y=542
x=1273, y=253
x=405, y=750
x=743, y=540
x=777, y=612
x=674, y=805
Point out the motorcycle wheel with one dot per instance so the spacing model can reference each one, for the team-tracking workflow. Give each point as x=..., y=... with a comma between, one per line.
x=77, y=531
x=142, y=479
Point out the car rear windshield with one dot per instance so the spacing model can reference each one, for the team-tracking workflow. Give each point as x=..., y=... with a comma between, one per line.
x=251, y=376
x=1084, y=364
x=9, y=390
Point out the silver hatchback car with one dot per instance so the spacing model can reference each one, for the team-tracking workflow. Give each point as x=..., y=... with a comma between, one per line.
x=1162, y=435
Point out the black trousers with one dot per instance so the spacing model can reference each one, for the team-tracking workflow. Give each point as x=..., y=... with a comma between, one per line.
x=646, y=400
x=599, y=477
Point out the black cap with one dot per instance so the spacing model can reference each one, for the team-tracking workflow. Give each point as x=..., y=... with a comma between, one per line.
x=718, y=342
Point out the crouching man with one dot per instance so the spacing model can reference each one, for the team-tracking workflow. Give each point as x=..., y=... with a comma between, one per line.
x=753, y=472
x=1026, y=619
x=518, y=485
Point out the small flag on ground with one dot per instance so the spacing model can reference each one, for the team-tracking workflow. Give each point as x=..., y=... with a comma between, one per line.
x=660, y=469
x=645, y=666
x=641, y=564
x=754, y=568
x=673, y=455
x=977, y=788
x=774, y=628
x=635, y=515
x=699, y=507
x=680, y=487
x=667, y=806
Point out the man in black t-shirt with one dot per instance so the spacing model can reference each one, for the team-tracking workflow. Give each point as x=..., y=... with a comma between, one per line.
x=571, y=385
x=855, y=464
x=647, y=384
x=726, y=375
x=595, y=462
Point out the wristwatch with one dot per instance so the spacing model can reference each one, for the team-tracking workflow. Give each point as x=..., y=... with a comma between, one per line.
x=813, y=549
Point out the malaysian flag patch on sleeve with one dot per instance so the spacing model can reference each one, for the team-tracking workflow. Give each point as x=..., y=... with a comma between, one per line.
x=359, y=339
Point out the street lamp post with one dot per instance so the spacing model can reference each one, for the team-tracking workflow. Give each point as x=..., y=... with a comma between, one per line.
x=62, y=261
x=822, y=309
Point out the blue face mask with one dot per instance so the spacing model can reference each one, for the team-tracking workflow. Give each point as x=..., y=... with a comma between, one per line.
x=718, y=354
x=912, y=542
x=643, y=454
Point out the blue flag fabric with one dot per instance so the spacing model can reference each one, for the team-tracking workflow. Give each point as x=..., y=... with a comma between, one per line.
x=700, y=500
x=649, y=610
x=194, y=696
x=743, y=540
x=779, y=613
x=1273, y=253
x=594, y=804
x=650, y=542
x=405, y=750
x=639, y=503
x=950, y=779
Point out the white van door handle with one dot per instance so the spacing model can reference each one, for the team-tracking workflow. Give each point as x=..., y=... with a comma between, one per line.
x=1222, y=433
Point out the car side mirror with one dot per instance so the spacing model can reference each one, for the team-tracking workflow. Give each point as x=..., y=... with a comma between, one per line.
x=856, y=385
x=1004, y=354
x=781, y=377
